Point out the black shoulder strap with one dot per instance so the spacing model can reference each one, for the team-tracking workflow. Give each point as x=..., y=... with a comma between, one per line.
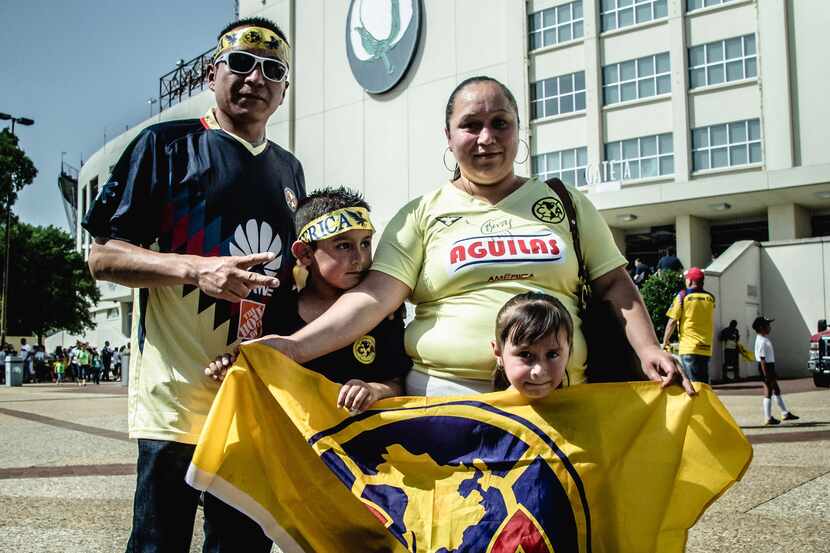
x=559, y=188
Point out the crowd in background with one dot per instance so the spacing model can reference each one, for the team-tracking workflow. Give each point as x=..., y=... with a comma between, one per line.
x=80, y=364
x=667, y=262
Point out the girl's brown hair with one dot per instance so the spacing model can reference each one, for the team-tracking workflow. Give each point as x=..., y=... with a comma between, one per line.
x=526, y=319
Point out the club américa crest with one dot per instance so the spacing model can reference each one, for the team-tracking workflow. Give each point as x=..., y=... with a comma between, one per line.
x=381, y=41
x=461, y=477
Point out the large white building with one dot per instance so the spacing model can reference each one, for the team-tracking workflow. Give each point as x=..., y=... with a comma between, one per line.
x=690, y=123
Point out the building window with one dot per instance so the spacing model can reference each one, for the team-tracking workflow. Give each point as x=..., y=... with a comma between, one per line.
x=617, y=14
x=112, y=313
x=563, y=94
x=723, y=61
x=692, y=5
x=640, y=158
x=569, y=166
x=726, y=145
x=555, y=25
x=633, y=79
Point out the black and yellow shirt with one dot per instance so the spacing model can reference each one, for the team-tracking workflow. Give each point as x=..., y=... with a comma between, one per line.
x=376, y=357
x=188, y=187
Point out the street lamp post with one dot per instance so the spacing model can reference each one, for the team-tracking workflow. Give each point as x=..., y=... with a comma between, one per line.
x=26, y=122
x=150, y=102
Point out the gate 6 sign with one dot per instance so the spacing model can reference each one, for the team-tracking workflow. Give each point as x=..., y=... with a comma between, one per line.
x=381, y=41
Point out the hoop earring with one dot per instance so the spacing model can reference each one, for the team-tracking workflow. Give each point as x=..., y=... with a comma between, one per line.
x=450, y=169
x=527, y=148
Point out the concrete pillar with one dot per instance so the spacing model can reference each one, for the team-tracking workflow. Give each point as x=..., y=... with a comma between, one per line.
x=788, y=222
x=88, y=195
x=619, y=238
x=593, y=84
x=79, y=231
x=773, y=46
x=694, y=241
x=679, y=86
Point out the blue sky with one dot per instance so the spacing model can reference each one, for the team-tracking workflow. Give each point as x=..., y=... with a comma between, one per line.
x=83, y=69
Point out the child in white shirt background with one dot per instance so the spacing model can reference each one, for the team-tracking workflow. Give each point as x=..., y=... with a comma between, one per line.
x=765, y=355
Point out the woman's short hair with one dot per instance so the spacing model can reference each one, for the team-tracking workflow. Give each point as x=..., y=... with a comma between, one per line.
x=473, y=80
x=461, y=86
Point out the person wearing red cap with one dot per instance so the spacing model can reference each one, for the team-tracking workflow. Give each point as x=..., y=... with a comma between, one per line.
x=691, y=313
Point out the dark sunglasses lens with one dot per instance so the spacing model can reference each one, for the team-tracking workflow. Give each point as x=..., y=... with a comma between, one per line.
x=273, y=70
x=240, y=62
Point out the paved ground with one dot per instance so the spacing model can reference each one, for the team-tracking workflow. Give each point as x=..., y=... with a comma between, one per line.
x=67, y=474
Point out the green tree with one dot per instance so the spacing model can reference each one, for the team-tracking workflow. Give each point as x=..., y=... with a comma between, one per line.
x=50, y=287
x=658, y=292
x=16, y=169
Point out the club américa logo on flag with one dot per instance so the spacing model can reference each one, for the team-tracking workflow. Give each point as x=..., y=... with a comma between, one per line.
x=461, y=477
x=545, y=247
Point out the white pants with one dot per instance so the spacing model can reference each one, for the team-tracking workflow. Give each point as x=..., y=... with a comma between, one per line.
x=422, y=384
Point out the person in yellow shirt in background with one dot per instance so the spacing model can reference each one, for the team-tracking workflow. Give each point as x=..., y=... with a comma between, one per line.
x=691, y=313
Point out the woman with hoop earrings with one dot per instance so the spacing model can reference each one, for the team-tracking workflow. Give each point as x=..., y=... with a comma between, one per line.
x=460, y=252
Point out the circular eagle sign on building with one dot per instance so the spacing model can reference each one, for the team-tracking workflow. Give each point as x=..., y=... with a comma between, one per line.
x=381, y=41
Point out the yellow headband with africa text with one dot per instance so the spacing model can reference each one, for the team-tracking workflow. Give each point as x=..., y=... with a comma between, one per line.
x=336, y=222
x=254, y=38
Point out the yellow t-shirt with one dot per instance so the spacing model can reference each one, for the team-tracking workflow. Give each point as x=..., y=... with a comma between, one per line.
x=694, y=320
x=463, y=258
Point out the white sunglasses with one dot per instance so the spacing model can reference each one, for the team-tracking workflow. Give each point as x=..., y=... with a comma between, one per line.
x=243, y=63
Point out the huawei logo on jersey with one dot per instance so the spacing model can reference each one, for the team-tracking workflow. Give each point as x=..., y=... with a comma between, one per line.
x=258, y=238
x=522, y=248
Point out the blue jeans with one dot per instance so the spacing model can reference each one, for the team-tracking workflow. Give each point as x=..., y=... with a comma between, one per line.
x=165, y=508
x=696, y=367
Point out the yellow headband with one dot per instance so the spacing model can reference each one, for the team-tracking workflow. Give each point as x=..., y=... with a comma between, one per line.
x=251, y=38
x=336, y=222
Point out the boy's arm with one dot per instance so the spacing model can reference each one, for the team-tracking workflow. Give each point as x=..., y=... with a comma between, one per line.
x=391, y=388
x=357, y=395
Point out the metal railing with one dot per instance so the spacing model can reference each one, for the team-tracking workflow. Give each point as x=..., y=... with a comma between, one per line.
x=187, y=78
x=69, y=170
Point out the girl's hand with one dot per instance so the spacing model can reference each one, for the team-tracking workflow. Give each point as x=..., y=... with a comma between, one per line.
x=218, y=368
x=357, y=396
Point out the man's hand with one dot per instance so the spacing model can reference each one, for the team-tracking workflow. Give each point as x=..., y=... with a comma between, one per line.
x=357, y=396
x=661, y=366
x=218, y=368
x=228, y=278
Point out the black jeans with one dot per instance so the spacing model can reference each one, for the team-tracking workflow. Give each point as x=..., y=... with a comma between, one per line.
x=165, y=508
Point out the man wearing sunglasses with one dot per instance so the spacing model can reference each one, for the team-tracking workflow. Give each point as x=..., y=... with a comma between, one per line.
x=198, y=216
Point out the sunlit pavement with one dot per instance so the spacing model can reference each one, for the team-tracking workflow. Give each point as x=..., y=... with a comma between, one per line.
x=67, y=473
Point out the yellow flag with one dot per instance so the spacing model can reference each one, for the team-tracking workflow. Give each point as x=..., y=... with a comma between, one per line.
x=745, y=353
x=599, y=468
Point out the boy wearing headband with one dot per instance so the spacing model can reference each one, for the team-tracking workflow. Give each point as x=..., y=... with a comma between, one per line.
x=198, y=216
x=334, y=252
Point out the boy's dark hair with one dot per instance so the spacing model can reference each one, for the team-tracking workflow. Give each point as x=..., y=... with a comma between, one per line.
x=326, y=200
x=526, y=319
x=254, y=22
